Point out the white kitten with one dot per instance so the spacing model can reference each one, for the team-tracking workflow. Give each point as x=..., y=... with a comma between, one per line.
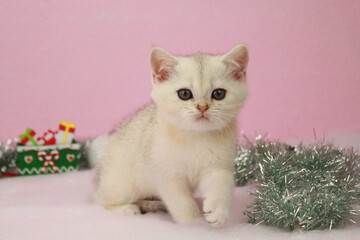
x=183, y=142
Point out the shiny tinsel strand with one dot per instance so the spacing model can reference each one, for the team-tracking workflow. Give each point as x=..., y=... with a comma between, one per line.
x=7, y=156
x=84, y=158
x=306, y=187
x=248, y=167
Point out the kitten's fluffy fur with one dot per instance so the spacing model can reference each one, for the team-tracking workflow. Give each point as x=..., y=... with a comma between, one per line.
x=168, y=150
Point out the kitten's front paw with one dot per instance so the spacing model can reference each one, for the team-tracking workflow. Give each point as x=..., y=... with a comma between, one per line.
x=128, y=209
x=215, y=214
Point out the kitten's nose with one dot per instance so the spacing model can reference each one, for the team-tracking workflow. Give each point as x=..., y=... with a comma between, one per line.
x=202, y=108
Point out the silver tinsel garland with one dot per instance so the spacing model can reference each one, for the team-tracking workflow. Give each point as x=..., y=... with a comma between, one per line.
x=7, y=156
x=303, y=187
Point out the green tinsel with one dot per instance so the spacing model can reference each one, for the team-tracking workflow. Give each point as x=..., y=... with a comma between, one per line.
x=303, y=187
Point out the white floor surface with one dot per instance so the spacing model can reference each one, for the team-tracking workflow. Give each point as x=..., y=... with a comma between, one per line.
x=59, y=206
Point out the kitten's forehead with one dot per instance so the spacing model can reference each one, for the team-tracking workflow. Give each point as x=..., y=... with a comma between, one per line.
x=200, y=71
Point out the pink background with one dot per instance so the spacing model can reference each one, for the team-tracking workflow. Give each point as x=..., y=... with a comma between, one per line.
x=87, y=61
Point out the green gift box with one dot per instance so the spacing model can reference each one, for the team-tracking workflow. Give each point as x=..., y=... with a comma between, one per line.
x=45, y=159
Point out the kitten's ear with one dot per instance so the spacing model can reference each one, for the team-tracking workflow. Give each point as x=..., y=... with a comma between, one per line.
x=236, y=60
x=162, y=64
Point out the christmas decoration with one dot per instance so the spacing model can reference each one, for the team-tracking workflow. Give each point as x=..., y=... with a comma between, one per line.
x=8, y=158
x=250, y=156
x=28, y=137
x=303, y=187
x=47, y=159
x=57, y=152
x=83, y=155
x=65, y=133
x=48, y=138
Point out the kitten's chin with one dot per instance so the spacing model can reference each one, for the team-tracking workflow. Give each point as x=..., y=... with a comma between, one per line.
x=204, y=124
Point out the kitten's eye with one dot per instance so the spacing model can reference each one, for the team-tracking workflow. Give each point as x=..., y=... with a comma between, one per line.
x=184, y=94
x=218, y=94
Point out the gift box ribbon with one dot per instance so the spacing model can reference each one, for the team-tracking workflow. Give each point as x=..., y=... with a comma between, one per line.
x=67, y=128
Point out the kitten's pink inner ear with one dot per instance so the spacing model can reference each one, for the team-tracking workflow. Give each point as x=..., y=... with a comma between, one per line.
x=162, y=64
x=236, y=61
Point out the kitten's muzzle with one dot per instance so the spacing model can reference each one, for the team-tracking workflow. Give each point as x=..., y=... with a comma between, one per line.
x=202, y=107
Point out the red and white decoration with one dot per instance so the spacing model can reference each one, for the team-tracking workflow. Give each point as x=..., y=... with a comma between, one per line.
x=65, y=134
x=28, y=138
x=48, y=160
x=70, y=157
x=29, y=159
x=48, y=138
